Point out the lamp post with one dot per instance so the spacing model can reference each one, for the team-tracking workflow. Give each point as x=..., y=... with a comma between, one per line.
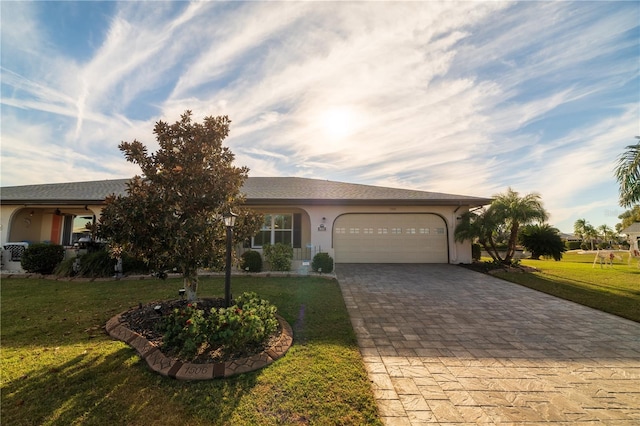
x=229, y=222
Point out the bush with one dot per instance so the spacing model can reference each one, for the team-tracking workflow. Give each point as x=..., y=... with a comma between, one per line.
x=251, y=261
x=572, y=245
x=248, y=323
x=322, y=262
x=42, y=258
x=279, y=256
x=542, y=240
x=476, y=251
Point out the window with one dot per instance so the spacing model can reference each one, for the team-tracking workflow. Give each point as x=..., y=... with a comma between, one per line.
x=367, y=230
x=276, y=228
x=396, y=230
x=383, y=231
x=341, y=230
x=411, y=230
x=440, y=231
x=354, y=230
x=424, y=230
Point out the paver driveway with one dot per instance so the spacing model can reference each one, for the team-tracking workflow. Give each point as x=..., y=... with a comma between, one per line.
x=445, y=345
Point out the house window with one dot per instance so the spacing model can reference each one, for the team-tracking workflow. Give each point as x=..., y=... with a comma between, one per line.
x=354, y=230
x=341, y=230
x=424, y=230
x=440, y=231
x=411, y=230
x=276, y=228
x=383, y=231
x=367, y=230
x=396, y=230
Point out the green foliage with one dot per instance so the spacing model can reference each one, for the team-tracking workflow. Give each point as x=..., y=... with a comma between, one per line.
x=171, y=217
x=42, y=258
x=279, y=256
x=572, y=245
x=190, y=331
x=476, y=251
x=542, y=240
x=627, y=173
x=251, y=261
x=99, y=263
x=628, y=218
x=501, y=219
x=322, y=262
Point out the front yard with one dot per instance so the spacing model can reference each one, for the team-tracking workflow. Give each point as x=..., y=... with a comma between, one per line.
x=610, y=289
x=60, y=368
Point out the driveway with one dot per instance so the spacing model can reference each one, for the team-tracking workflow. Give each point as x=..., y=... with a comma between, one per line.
x=443, y=345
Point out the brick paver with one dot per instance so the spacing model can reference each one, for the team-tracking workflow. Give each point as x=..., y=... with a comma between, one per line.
x=445, y=345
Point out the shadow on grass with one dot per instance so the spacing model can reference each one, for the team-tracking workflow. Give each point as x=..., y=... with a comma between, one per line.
x=624, y=305
x=117, y=389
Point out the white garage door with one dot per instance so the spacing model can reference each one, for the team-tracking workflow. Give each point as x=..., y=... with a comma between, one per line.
x=390, y=238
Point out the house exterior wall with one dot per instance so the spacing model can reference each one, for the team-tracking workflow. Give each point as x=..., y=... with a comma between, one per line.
x=322, y=218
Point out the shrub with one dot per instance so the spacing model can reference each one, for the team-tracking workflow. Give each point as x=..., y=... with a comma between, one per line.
x=542, y=240
x=251, y=261
x=190, y=331
x=96, y=264
x=476, y=251
x=42, y=258
x=279, y=256
x=322, y=262
x=572, y=245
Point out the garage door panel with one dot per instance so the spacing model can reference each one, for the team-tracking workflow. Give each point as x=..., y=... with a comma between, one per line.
x=390, y=238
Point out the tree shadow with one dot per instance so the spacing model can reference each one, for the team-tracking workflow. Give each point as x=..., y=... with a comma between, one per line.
x=117, y=389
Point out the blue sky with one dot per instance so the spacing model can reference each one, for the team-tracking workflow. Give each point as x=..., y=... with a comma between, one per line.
x=464, y=98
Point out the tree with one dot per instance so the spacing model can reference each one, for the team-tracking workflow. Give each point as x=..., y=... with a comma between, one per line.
x=607, y=234
x=627, y=173
x=585, y=231
x=628, y=218
x=507, y=212
x=514, y=211
x=172, y=214
x=542, y=240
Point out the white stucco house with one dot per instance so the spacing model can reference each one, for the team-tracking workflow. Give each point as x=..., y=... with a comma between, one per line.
x=353, y=223
x=633, y=236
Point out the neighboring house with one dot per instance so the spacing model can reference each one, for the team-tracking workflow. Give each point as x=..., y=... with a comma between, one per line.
x=633, y=235
x=353, y=223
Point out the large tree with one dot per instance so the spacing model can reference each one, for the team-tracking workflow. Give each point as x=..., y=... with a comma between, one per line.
x=628, y=175
x=585, y=231
x=172, y=213
x=628, y=218
x=507, y=213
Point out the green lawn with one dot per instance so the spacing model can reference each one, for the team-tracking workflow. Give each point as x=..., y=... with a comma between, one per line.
x=615, y=290
x=60, y=368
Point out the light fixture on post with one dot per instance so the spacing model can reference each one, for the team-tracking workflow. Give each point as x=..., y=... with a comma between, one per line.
x=229, y=223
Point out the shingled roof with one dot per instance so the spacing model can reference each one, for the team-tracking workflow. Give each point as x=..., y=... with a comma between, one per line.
x=258, y=191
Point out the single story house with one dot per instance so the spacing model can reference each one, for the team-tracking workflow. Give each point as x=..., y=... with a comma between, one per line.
x=353, y=223
x=633, y=235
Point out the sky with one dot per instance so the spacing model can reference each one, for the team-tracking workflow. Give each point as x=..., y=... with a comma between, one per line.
x=466, y=98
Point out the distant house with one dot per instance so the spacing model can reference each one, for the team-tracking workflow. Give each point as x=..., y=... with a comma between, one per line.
x=353, y=223
x=633, y=235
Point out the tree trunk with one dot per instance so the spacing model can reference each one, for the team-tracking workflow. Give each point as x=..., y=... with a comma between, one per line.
x=191, y=285
x=511, y=247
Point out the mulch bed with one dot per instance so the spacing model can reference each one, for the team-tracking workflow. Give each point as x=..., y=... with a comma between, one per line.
x=145, y=321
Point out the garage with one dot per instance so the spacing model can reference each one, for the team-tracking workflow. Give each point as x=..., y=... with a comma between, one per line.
x=390, y=238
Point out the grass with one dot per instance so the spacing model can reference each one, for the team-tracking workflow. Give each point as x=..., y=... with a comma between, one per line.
x=615, y=290
x=60, y=368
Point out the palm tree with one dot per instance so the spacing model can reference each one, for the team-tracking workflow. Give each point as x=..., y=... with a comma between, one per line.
x=579, y=228
x=514, y=211
x=508, y=212
x=628, y=175
x=607, y=233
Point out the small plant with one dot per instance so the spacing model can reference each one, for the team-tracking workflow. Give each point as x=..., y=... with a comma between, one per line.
x=42, y=258
x=251, y=261
x=322, y=262
x=190, y=331
x=279, y=256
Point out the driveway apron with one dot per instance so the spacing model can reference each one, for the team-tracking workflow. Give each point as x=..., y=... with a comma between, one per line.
x=446, y=345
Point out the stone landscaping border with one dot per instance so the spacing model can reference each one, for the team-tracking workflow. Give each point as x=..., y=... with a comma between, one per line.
x=176, y=369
